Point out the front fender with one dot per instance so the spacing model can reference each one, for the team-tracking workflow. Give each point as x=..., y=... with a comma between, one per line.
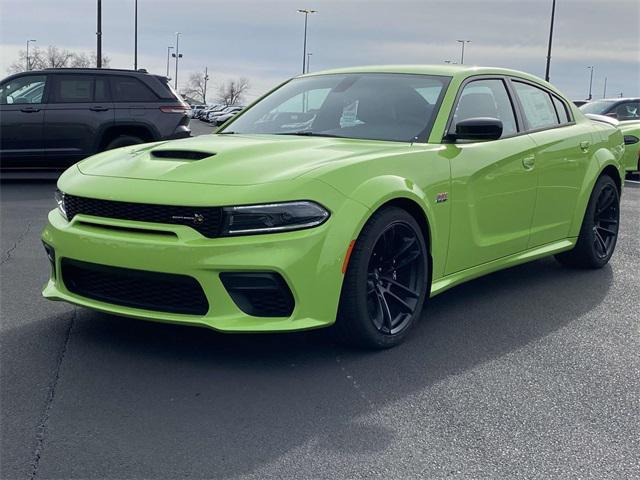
x=378, y=191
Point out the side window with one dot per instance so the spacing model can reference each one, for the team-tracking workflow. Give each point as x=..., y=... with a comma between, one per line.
x=72, y=89
x=561, y=110
x=628, y=111
x=128, y=89
x=27, y=89
x=486, y=98
x=537, y=105
x=101, y=93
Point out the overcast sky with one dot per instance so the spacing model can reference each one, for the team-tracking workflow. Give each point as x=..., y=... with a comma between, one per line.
x=262, y=40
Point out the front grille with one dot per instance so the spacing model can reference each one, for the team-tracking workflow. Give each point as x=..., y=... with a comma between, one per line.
x=259, y=294
x=163, y=292
x=206, y=220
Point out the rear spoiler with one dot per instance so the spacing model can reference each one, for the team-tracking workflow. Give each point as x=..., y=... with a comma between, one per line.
x=602, y=119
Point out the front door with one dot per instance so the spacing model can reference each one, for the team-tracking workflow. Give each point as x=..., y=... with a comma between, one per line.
x=21, y=121
x=493, y=188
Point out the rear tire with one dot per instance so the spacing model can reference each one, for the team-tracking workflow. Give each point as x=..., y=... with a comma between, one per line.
x=386, y=282
x=123, y=141
x=599, y=232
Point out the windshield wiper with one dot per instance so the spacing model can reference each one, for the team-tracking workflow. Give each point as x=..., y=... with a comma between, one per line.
x=308, y=133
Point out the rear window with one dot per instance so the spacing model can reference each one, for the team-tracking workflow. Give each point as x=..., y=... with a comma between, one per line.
x=561, y=109
x=537, y=105
x=72, y=89
x=128, y=89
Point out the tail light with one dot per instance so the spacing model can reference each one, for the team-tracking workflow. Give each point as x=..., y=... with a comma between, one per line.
x=175, y=109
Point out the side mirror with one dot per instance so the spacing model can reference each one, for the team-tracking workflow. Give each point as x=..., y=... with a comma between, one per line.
x=631, y=139
x=480, y=128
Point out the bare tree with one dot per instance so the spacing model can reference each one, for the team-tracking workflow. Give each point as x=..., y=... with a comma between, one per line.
x=197, y=86
x=232, y=92
x=53, y=57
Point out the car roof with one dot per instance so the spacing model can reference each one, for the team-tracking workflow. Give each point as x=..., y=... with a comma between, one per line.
x=619, y=99
x=448, y=70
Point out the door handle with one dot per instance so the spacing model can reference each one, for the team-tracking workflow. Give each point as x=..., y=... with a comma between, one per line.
x=98, y=109
x=29, y=110
x=584, y=146
x=529, y=162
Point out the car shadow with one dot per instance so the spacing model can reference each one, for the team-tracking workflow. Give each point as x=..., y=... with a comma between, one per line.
x=171, y=401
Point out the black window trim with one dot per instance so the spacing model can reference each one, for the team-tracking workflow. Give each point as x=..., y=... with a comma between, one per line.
x=510, y=93
x=528, y=130
x=113, y=78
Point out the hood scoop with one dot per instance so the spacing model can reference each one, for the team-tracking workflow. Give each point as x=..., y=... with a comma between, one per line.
x=181, y=154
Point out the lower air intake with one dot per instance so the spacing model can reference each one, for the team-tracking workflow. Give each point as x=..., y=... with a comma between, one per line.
x=162, y=292
x=259, y=294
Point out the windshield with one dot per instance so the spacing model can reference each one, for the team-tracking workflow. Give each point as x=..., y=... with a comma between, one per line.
x=373, y=106
x=597, y=108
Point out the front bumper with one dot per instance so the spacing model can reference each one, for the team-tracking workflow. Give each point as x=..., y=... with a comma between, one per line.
x=310, y=261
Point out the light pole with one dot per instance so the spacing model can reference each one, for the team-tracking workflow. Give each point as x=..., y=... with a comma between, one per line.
x=306, y=12
x=28, y=65
x=604, y=93
x=135, y=36
x=99, y=36
x=553, y=14
x=462, y=56
x=168, y=56
x=308, y=60
x=177, y=56
x=590, y=81
x=204, y=90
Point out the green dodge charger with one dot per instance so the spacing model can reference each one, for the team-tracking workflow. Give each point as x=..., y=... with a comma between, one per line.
x=344, y=198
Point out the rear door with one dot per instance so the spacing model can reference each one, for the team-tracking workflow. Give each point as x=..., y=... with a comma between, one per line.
x=562, y=153
x=493, y=188
x=22, y=120
x=79, y=110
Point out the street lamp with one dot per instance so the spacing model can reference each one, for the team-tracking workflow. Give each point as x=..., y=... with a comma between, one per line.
x=590, y=81
x=177, y=56
x=99, y=35
x=553, y=14
x=308, y=60
x=462, y=56
x=168, y=56
x=306, y=12
x=135, y=36
x=28, y=65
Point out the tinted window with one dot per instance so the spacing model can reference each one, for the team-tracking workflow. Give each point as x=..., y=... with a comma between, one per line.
x=599, y=107
x=72, y=89
x=561, y=109
x=628, y=111
x=101, y=90
x=27, y=89
x=537, y=106
x=128, y=89
x=486, y=98
x=374, y=106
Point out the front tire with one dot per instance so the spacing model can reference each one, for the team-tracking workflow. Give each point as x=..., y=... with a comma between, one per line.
x=599, y=231
x=386, y=282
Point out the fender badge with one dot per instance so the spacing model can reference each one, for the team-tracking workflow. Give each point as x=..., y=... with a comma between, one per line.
x=442, y=197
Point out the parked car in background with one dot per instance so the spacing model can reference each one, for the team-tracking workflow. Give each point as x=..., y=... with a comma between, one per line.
x=213, y=116
x=52, y=118
x=631, y=159
x=226, y=116
x=579, y=103
x=195, y=109
x=204, y=111
x=346, y=197
x=618, y=108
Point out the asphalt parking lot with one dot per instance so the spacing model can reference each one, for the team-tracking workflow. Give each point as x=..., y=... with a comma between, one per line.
x=532, y=372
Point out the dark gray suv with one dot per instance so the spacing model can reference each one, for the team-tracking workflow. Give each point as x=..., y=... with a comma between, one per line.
x=52, y=118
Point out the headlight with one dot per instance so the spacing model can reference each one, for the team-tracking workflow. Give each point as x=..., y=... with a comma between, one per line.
x=59, y=196
x=274, y=217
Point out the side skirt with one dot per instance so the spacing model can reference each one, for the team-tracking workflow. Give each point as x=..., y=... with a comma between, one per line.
x=448, y=281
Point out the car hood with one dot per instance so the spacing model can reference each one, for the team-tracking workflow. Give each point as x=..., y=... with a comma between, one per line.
x=230, y=159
